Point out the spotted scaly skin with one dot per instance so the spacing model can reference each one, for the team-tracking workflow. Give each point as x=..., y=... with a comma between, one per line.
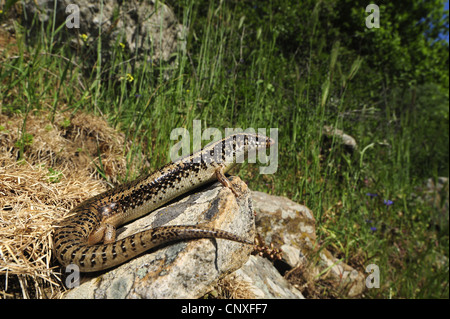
x=87, y=238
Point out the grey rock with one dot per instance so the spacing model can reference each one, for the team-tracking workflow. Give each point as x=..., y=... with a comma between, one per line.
x=286, y=224
x=435, y=194
x=291, y=227
x=264, y=281
x=187, y=269
x=148, y=29
x=343, y=138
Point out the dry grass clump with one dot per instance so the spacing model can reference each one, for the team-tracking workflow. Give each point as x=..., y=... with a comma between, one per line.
x=79, y=141
x=57, y=171
x=29, y=204
x=231, y=287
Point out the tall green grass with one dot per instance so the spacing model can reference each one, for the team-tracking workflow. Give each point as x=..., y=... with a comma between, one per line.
x=233, y=76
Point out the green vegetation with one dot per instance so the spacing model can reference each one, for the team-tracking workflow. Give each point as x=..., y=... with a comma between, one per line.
x=296, y=67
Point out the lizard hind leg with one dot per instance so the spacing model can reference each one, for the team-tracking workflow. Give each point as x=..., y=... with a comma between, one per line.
x=105, y=233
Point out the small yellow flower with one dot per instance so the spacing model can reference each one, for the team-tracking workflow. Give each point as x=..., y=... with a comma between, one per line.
x=84, y=37
x=1, y=11
x=187, y=91
x=122, y=46
x=130, y=78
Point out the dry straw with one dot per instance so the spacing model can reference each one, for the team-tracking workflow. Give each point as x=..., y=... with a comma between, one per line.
x=57, y=172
